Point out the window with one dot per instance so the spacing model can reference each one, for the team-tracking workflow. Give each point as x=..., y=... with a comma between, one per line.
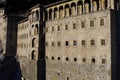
x=92, y=42
x=91, y=23
x=66, y=43
x=46, y=57
x=84, y=59
x=58, y=28
x=66, y=27
x=67, y=59
x=93, y=60
x=58, y=44
x=46, y=43
x=83, y=42
x=101, y=22
x=52, y=58
x=103, y=61
x=46, y=29
x=74, y=43
x=53, y=44
x=82, y=25
x=67, y=78
x=75, y=59
x=52, y=28
x=58, y=58
x=102, y=41
x=74, y=26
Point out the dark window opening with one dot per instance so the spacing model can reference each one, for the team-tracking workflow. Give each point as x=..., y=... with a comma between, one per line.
x=75, y=59
x=101, y=22
x=66, y=43
x=66, y=27
x=83, y=42
x=67, y=59
x=74, y=43
x=52, y=58
x=74, y=26
x=84, y=59
x=58, y=58
x=91, y=23
x=102, y=41
x=93, y=60
x=92, y=42
x=59, y=44
x=103, y=61
x=52, y=28
x=58, y=28
x=53, y=43
x=82, y=25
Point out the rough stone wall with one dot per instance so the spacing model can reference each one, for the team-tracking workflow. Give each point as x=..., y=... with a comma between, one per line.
x=28, y=68
x=79, y=70
x=3, y=28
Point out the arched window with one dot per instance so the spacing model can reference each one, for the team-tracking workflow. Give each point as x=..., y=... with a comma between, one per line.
x=79, y=7
x=56, y=13
x=73, y=9
x=36, y=29
x=66, y=10
x=37, y=15
x=32, y=30
x=50, y=14
x=34, y=42
x=61, y=12
x=33, y=57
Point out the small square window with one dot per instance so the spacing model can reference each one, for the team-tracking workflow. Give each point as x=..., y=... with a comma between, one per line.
x=75, y=59
x=53, y=43
x=92, y=42
x=46, y=43
x=83, y=42
x=66, y=43
x=58, y=28
x=66, y=27
x=84, y=59
x=101, y=22
x=58, y=58
x=74, y=43
x=91, y=23
x=102, y=41
x=82, y=24
x=103, y=61
x=52, y=28
x=46, y=29
x=58, y=44
x=67, y=59
x=46, y=57
x=74, y=26
x=93, y=60
x=52, y=58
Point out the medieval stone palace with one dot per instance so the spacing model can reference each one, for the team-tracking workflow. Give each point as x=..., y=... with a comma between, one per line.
x=65, y=40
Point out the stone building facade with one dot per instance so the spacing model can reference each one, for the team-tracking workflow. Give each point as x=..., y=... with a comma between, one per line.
x=67, y=40
x=3, y=28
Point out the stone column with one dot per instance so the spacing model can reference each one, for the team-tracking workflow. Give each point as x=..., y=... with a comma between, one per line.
x=108, y=4
x=103, y=4
x=100, y=5
x=91, y=5
x=83, y=1
x=112, y=4
x=52, y=15
x=48, y=15
x=76, y=9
